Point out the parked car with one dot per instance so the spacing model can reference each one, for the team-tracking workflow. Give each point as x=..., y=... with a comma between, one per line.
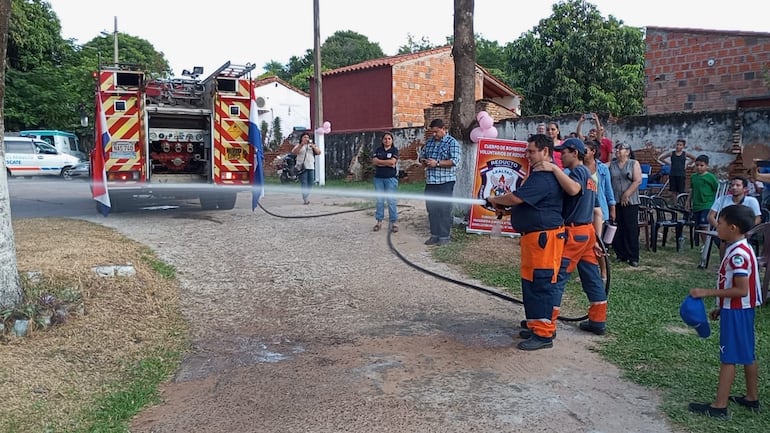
x=81, y=171
x=31, y=157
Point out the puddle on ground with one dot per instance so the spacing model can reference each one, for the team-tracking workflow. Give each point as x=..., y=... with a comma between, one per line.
x=236, y=352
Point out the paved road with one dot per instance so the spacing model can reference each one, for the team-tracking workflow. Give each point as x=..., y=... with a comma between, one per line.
x=42, y=198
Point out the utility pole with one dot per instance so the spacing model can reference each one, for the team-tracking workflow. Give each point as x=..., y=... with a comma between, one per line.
x=115, y=43
x=318, y=95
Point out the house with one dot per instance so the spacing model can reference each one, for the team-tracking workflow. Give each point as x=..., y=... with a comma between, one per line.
x=692, y=70
x=393, y=92
x=279, y=99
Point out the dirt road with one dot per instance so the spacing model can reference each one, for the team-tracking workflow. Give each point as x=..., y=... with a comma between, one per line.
x=338, y=335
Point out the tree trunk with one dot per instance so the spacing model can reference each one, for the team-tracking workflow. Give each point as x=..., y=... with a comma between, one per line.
x=10, y=288
x=464, y=105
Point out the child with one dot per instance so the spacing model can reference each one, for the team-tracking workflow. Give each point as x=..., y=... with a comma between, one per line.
x=678, y=162
x=738, y=293
x=704, y=189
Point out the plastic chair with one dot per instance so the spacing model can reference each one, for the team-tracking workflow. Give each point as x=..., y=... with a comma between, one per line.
x=665, y=218
x=760, y=235
x=684, y=207
x=646, y=219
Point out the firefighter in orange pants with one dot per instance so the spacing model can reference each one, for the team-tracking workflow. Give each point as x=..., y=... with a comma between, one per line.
x=582, y=220
x=536, y=213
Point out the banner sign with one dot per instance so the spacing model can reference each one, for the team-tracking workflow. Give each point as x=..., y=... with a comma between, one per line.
x=501, y=166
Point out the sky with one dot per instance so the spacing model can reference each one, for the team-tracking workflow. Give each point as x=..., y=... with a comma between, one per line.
x=199, y=33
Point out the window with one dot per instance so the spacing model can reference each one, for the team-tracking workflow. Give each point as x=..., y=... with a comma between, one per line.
x=18, y=147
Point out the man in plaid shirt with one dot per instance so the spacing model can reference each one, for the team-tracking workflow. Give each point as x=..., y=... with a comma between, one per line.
x=440, y=157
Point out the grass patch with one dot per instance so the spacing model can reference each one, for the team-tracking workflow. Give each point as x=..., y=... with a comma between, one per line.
x=646, y=337
x=163, y=269
x=96, y=370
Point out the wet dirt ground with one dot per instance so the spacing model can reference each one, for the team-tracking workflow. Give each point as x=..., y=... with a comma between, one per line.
x=314, y=325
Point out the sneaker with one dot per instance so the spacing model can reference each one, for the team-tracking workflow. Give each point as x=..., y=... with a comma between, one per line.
x=633, y=263
x=706, y=409
x=535, y=343
x=442, y=242
x=588, y=327
x=526, y=334
x=753, y=405
x=431, y=241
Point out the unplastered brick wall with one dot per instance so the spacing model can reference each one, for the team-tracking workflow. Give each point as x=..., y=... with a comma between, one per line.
x=419, y=83
x=691, y=70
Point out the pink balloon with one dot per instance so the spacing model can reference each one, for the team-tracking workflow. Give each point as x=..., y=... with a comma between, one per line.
x=476, y=134
x=327, y=130
x=489, y=133
x=319, y=131
x=327, y=125
x=486, y=122
x=481, y=114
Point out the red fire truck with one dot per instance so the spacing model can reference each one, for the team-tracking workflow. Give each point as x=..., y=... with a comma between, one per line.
x=176, y=138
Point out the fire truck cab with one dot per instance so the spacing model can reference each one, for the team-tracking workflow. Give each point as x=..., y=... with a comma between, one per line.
x=176, y=138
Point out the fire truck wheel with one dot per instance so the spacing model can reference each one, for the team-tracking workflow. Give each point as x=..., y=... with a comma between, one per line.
x=208, y=201
x=226, y=201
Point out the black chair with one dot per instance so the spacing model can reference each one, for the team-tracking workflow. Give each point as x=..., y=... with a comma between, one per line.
x=646, y=219
x=759, y=236
x=684, y=207
x=665, y=218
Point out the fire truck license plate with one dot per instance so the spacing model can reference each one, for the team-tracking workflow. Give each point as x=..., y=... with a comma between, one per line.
x=123, y=147
x=233, y=153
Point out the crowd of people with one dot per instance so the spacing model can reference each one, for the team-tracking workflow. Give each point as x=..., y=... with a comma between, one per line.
x=575, y=188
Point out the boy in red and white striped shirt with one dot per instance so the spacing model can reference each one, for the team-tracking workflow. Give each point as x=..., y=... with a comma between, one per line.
x=738, y=293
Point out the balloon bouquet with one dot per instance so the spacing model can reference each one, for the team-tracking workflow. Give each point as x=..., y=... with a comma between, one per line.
x=486, y=128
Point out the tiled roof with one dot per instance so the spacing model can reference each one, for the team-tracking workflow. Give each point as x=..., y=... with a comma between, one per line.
x=388, y=61
x=274, y=79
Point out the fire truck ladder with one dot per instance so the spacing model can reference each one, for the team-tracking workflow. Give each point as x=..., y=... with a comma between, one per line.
x=229, y=71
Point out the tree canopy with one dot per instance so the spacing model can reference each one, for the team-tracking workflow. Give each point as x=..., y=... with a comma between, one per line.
x=573, y=61
x=49, y=79
x=576, y=61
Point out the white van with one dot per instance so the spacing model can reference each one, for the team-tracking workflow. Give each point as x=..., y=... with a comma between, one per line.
x=64, y=142
x=31, y=157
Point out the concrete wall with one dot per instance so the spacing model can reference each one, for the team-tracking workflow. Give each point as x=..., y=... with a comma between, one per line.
x=709, y=133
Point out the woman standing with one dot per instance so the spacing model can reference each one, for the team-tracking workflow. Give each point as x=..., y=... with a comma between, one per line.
x=385, y=161
x=626, y=176
x=306, y=153
x=600, y=174
x=552, y=131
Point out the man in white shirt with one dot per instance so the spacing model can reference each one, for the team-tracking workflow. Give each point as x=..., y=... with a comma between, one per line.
x=738, y=188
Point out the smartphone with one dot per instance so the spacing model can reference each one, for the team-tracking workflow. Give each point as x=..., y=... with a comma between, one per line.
x=589, y=116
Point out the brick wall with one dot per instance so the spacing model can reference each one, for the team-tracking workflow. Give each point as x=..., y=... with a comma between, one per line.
x=691, y=70
x=419, y=83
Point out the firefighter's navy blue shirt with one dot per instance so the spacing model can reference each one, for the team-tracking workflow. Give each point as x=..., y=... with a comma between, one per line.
x=579, y=209
x=542, y=205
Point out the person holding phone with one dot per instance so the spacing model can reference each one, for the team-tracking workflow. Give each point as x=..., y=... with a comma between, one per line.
x=597, y=133
x=306, y=152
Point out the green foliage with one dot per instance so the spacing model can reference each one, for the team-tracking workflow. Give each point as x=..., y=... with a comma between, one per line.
x=491, y=56
x=131, y=50
x=276, y=135
x=577, y=61
x=159, y=266
x=345, y=48
x=48, y=80
x=414, y=46
x=365, y=159
x=34, y=36
x=113, y=411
